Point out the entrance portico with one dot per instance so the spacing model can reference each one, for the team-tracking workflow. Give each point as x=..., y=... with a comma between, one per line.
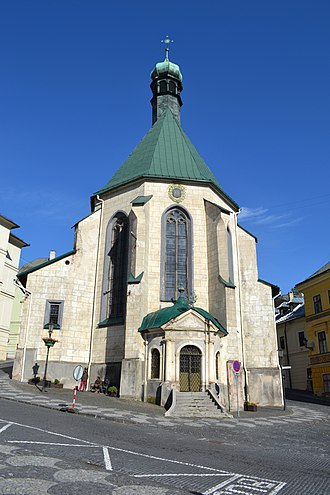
x=187, y=340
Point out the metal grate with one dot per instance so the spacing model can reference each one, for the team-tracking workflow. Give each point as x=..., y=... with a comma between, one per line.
x=190, y=369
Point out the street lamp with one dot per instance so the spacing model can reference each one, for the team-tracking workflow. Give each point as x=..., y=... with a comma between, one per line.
x=49, y=342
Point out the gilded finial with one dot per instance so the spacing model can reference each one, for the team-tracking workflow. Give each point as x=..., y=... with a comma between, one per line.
x=167, y=41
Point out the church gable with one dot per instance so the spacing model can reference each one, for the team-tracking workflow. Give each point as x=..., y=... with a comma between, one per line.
x=190, y=321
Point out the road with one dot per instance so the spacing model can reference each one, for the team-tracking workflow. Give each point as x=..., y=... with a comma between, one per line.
x=43, y=451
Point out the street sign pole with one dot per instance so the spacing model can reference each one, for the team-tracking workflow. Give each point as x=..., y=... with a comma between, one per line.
x=236, y=377
x=236, y=371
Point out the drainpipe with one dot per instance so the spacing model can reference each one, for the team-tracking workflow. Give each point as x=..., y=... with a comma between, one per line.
x=287, y=355
x=246, y=379
x=28, y=294
x=206, y=357
x=145, y=370
x=279, y=358
x=95, y=285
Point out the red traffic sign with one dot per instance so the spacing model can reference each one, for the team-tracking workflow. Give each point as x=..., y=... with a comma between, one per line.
x=236, y=366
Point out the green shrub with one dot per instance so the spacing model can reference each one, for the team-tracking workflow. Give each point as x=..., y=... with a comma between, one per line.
x=56, y=381
x=112, y=390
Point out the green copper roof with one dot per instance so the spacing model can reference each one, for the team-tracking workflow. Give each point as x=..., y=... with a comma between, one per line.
x=166, y=67
x=165, y=152
x=162, y=316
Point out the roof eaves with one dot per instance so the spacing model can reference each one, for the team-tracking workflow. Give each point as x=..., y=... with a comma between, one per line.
x=314, y=275
x=8, y=223
x=17, y=241
x=46, y=263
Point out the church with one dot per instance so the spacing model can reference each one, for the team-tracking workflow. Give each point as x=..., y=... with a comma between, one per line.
x=160, y=293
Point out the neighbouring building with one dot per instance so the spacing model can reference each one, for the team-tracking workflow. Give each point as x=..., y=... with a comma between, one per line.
x=292, y=340
x=160, y=292
x=10, y=252
x=316, y=289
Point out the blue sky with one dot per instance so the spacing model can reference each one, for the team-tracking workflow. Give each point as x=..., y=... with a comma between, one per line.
x=74, y=102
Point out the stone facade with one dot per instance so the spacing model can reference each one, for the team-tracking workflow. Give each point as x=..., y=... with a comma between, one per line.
x=230, y=313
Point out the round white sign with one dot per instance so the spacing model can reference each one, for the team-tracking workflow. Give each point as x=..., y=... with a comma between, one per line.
x=78, y=372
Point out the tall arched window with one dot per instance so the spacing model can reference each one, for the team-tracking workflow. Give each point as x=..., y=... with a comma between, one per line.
x=176, y=255
x=217, y=366
x=230, y=256
x=155, y=363
x=115, y=269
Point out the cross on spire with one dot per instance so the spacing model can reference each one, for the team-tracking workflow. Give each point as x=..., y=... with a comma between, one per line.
x=167, y=41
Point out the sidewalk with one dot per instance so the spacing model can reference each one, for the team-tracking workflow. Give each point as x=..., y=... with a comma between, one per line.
x=128, y=411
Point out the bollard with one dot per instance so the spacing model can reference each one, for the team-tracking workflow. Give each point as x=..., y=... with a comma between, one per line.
x=74, y=396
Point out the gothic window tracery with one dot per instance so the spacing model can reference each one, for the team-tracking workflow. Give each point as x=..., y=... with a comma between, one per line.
x=176, y=262
x=115, y=268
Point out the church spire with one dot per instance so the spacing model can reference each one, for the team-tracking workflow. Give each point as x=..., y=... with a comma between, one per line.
x=166, y=86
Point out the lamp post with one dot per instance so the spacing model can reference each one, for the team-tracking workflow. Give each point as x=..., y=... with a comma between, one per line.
x=49, y=342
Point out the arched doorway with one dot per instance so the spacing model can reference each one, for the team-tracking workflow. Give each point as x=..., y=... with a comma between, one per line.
x=190, y=369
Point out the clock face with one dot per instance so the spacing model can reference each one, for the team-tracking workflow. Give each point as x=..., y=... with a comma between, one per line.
x=177, y=192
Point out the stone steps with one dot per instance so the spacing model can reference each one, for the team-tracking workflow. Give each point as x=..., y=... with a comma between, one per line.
x=198, y=404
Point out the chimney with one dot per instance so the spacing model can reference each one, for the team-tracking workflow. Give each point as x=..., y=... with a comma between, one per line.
x=52, y=254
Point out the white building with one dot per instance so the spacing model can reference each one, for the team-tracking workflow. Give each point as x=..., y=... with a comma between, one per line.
x=161, y=289
x=10, y=251
x=292, y=341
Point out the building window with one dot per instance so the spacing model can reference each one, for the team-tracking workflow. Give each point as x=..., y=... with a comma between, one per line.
x=282, y=342
x=172, y=87
x=217, y=366
x=302, y=339
x=329, y=297
x=176, y=255
x=155, y=363
x=317, y=303
x=326, y=383
x=322, y=342
x=53, y=313
x=163, y=87
x=114, y=285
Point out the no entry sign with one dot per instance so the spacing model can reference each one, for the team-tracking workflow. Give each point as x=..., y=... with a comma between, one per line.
x=236, y=366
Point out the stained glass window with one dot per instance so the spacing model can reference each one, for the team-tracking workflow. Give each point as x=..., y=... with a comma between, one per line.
x=176, y=272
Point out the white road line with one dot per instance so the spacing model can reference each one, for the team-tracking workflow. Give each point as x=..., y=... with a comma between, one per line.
x=105, y=448
x=278, y=488
x=107, y=461
x=221, y=485
x=118, y=449
x=53, y=443
x=179, y=474
x=247, y=485
x=5, y=427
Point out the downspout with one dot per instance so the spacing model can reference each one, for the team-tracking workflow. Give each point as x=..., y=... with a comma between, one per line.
x=279, y=359
x=146, y=366
x=206, y=357
x=91, y=342
x=287, y=356
x=246, y=379
x=29, y=295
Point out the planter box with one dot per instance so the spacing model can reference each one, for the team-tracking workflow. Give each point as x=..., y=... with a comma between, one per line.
x=56, y=385
x=250, y=407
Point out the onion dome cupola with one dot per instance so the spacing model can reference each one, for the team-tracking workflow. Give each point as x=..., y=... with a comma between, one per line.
x=166, y=87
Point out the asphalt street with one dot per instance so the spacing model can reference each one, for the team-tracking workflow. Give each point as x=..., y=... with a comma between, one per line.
x=48, y=451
